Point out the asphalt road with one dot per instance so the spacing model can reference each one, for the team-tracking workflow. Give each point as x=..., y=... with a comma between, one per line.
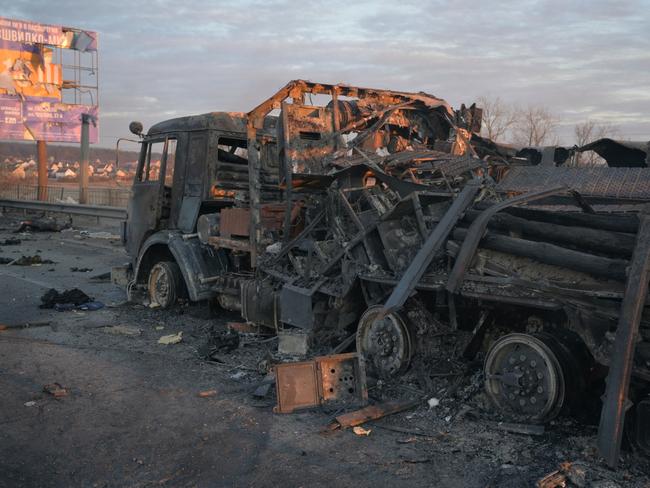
x=132, y=415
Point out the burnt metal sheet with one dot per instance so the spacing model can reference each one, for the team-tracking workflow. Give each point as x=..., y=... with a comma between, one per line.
x=297, y=386
x=620, y=153
x=296, y=306
x=616, y=403
x=234, y=222
x=618, y=183
x=338, y=378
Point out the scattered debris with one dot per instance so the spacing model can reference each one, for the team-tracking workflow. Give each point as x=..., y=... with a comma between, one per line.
x=103, y=235
x=25, y=325
x=46, y=224
x=127, y=330
x=293, y=343
x=358, y=430
x=433, y=402
x=35, y=260
x=74, y=269
x=219, y=341
x=338, y=379
x=74, y=297
x=569, y=475
x=56, y=390
x=89, y=306
x=371, y=412
x=207, y=393
x=102, y=277
x=530, y=429
x=239, y=375
x=264, y=386
x=245, y=328
x=408, y=440
x=171, y=338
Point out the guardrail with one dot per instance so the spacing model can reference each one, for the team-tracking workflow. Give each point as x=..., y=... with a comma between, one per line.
x=100, y=211
x=109, y=196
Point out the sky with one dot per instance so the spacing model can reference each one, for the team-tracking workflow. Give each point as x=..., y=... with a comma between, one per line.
x=162, y=59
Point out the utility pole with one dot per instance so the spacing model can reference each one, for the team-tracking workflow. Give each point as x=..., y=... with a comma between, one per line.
x=41, y=148
x=83, y=166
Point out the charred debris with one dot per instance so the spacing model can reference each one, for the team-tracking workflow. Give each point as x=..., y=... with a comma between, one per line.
x=382, y=220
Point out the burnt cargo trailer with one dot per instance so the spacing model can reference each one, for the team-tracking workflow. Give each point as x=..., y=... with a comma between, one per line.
x=340, y=212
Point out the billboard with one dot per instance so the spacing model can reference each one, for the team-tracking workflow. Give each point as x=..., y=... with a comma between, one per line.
x=33, y=84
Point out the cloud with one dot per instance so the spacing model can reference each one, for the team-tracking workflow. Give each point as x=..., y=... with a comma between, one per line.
x=166, y=58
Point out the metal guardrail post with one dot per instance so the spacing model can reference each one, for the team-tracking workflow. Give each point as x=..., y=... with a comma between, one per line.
x=83, y=166
x=41, y=147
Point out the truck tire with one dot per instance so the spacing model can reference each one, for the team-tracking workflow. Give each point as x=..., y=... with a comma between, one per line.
x=164, y=284
x=524, y=378
x=386, y=346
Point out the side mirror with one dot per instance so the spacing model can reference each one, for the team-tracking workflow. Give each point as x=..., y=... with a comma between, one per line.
x=136, y=128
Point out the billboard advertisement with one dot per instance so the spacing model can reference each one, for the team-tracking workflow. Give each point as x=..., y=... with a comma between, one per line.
x=32, y=82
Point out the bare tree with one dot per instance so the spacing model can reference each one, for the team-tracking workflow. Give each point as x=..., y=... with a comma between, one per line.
x=589, y=131
x=535, y=126
x=498, y=117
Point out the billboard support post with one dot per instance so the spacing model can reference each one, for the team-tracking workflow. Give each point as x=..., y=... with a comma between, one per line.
x=83, y=164
x=41, y=147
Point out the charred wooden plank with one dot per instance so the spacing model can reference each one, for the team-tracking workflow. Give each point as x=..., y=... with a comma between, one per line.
x=478, y=228
x=613, y=222
x=552, y=254
x=610, y=242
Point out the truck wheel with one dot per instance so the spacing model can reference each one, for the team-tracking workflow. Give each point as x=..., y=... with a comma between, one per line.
x=385, y=345
x=164, y=285
x=524, y=378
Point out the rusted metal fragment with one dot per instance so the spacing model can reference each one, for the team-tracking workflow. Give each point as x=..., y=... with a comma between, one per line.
x=616, y=401
x=337, y=378
x=569, y=474
x=234, y=222
x=371, y=412
x=556, y=479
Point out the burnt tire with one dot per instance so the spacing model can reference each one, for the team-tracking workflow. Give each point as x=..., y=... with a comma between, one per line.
x=386, y=345
x=165, y=284
x=524, y=378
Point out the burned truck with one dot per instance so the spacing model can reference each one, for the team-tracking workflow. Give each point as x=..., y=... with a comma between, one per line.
x=382, y=220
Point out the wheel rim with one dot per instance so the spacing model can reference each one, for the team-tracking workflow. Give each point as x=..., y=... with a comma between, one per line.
x=385, y=345
x=159, y=285
x=524, y=378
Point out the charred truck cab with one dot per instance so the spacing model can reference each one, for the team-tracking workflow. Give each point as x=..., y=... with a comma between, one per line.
x=349, y=213
x=189, y=170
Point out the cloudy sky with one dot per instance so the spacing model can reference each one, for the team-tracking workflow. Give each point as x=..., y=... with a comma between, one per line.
x=161, y=59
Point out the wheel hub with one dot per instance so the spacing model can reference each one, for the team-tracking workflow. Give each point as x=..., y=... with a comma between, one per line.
x=384, y=344
x=161, y=285
x=524, y=377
